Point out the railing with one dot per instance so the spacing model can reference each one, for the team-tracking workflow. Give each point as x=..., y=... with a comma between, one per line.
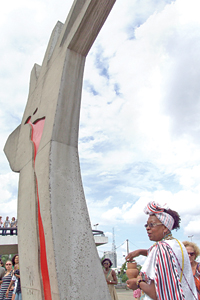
x=98, y=232
x=8, y=231
x=13, y=231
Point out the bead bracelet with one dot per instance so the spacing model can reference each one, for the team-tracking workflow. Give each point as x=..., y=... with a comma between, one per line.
x=138, y=283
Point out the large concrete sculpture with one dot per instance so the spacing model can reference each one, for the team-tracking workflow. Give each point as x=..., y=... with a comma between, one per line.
x=58, y=257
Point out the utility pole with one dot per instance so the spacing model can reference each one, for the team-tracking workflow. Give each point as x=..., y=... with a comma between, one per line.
x=190, y=236
x=114, y=251
x=127, y=247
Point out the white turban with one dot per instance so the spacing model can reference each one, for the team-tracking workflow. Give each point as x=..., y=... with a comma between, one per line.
x=154, y=208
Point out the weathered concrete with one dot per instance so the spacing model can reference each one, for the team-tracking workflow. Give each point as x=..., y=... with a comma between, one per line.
x=8, y=244
x=51, y=198
x=100, y=240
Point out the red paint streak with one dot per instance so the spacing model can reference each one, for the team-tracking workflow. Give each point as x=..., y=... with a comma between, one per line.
x=37, y=129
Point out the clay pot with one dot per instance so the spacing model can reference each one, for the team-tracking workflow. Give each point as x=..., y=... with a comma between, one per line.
x=132, y=271
x=131, y=265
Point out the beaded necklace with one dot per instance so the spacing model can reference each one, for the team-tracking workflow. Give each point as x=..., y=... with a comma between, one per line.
x=168, y=237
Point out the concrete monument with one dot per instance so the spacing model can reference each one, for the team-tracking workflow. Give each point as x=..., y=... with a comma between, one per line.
x=58, y=257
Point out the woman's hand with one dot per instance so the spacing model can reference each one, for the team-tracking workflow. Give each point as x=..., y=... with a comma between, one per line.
x=110, y=282
x=131, y=255
x=132, y=284
x=139, y=277
x=136, y=253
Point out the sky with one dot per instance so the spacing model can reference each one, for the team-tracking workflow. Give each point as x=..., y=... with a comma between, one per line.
x=139, y=137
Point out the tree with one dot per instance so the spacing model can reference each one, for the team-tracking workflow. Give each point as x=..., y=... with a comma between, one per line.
x=123, y=269
x=6, y=257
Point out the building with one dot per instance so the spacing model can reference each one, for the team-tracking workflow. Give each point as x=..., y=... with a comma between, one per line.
x=112, y=255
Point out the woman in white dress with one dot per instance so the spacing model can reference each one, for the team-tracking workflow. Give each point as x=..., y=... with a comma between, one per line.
x=166, y=273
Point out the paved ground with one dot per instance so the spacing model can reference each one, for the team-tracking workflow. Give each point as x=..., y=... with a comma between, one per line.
x=125, y=294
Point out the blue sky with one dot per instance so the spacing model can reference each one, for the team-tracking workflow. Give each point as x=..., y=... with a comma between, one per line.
x=140, y=112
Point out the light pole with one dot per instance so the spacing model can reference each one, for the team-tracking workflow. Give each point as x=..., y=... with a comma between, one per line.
x=95, y=226
x=127, y=247
x=190, y=236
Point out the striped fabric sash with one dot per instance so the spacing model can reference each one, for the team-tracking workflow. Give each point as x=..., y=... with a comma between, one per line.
x=167, y=280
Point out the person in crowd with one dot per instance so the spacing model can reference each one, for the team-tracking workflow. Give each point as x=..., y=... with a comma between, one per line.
x=16, y=224
x=2, y=272
x=1, y=224
x=5, y=225
x=6, y=281
x=15, y=262
x=166, y=273
x=15, y=259
x=17, y=288
x=13, y=282
x=13, y=224
x=194, y=251
x=110, y=276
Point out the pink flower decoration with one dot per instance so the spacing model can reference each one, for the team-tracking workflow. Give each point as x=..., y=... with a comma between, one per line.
x=137, y=293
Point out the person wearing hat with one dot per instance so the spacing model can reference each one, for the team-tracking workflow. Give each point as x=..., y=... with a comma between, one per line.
x=110, y=276
x=166, y=273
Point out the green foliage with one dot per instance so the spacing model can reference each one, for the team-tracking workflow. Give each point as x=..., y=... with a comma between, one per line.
x=123, y=269
x=139, y=267
x=6, y=257
x=124, y=278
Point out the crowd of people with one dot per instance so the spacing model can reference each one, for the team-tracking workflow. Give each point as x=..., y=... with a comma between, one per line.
x=170, y=271
x=8, y=224
x=10, y=286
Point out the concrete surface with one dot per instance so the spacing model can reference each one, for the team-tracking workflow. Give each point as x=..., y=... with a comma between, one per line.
x=50, y=185
x=125, y=294
x=8, y=244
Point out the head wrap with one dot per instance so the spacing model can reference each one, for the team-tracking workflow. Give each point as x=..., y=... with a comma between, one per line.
x=154, y=208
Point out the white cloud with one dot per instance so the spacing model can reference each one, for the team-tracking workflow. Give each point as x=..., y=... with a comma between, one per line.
x=192, y=229
x=139, y=127
x=8, y=194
